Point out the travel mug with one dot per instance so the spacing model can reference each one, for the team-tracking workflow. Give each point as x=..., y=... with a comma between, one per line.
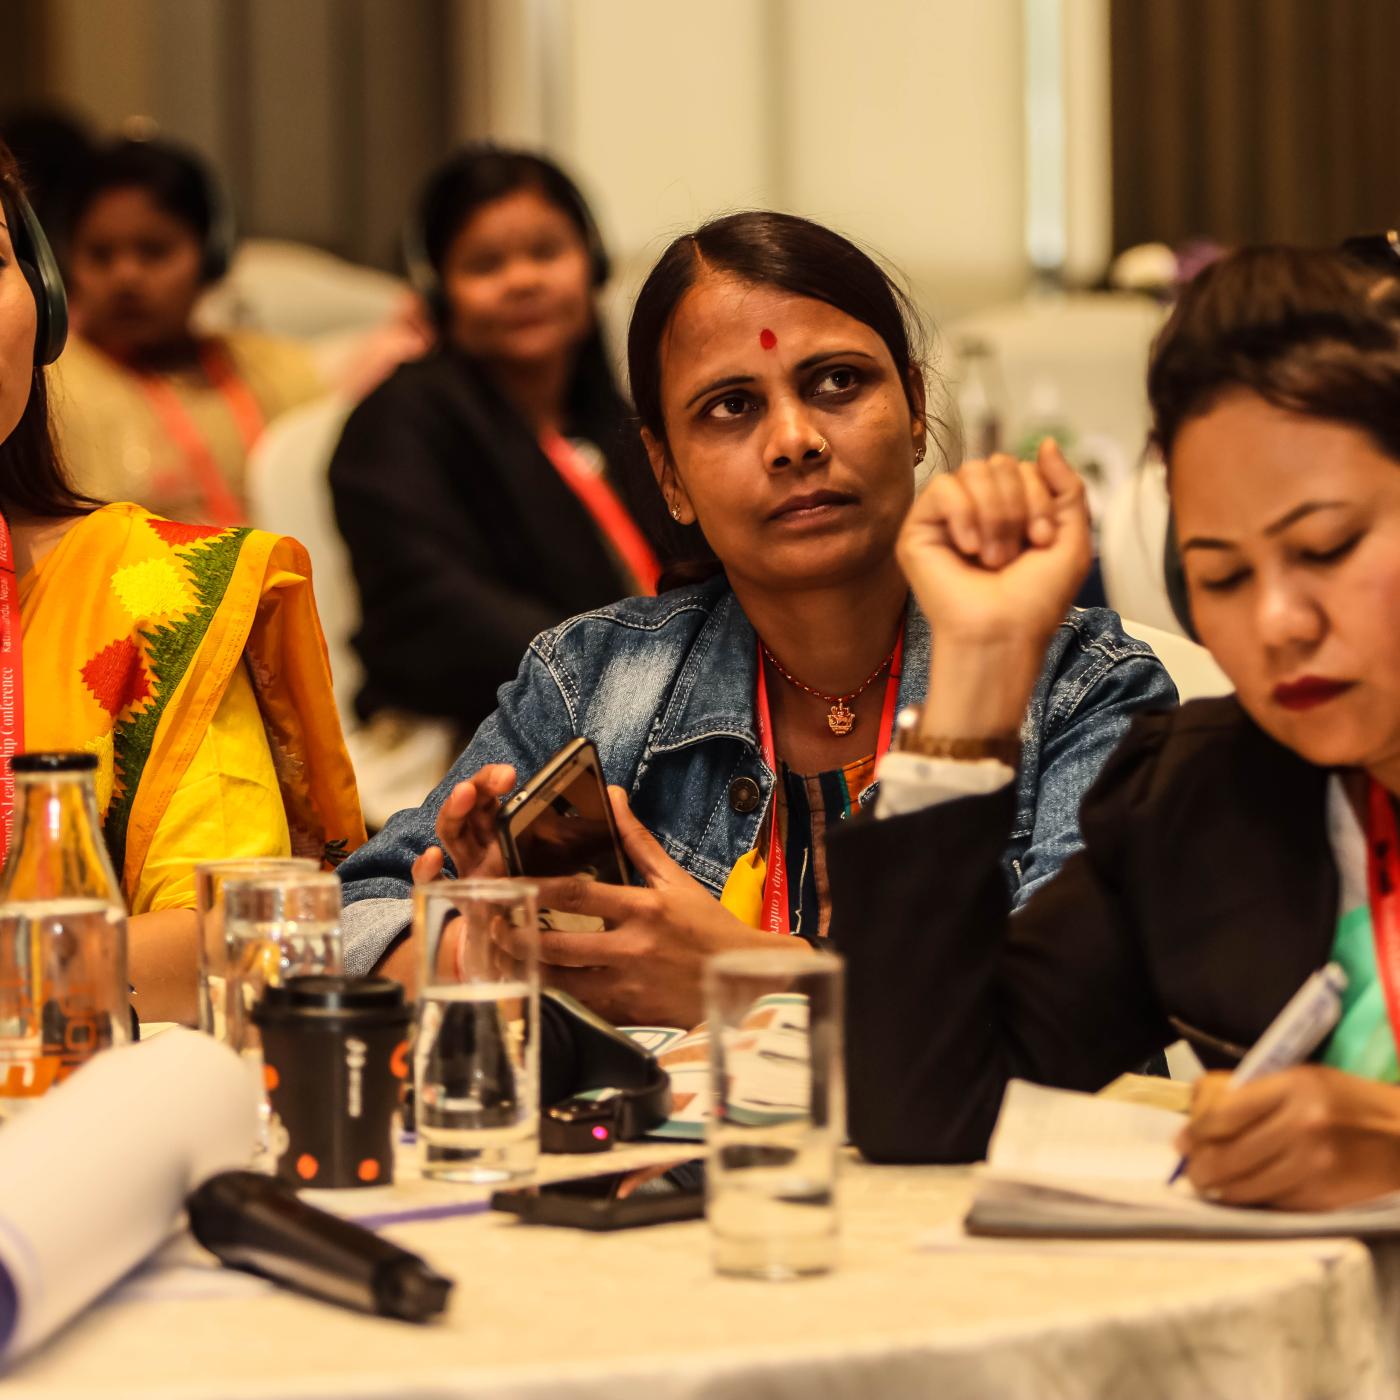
x=335, y=1060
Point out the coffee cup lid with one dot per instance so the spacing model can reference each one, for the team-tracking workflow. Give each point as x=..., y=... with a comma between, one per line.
x=332, y=996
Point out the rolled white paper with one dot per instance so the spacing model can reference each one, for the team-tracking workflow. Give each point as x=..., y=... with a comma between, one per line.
x=94, y=1176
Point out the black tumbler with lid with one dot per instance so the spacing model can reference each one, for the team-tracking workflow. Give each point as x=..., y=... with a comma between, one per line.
x=335, y=1060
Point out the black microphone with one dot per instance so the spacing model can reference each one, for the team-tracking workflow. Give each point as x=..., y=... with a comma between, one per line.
x=258, y=1223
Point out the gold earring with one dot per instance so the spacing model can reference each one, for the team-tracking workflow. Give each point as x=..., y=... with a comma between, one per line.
x=919, y=454
x=676, y=513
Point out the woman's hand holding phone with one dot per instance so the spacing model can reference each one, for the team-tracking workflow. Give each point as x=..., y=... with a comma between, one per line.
x=466, y=828
x=645, y=967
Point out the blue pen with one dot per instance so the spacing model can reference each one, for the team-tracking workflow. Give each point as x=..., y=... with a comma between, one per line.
x=1304, y=1023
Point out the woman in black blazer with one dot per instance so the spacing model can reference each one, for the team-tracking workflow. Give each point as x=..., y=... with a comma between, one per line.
x=1228, y=844
x=475, y=488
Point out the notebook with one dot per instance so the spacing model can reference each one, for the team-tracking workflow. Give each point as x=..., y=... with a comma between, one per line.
x=769, y=1068
x=1078, y=1165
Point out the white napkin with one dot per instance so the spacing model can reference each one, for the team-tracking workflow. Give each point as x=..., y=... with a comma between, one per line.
x=93, y=1177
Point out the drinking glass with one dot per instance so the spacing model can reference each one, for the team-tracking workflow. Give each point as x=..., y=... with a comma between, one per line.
x=276, y=926
x=209, y=880
x=777, y=1111
x=476, y=1073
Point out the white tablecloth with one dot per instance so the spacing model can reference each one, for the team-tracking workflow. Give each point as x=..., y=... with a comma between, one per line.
x=913, y=1310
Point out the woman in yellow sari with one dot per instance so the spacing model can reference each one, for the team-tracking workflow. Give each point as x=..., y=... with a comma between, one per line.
x=188, y=658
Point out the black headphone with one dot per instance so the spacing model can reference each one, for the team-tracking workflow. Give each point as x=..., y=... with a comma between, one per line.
x=221, y=242
x=221, y=237
x=1174, y=575
x=423, y=276
x=40, y=269
x=597, y=1086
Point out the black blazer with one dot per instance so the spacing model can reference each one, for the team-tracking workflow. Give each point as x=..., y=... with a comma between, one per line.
x=1205, y=894
x=464, y=541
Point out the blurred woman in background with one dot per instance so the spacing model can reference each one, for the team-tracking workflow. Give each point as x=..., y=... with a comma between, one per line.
x=475, y=487
x=187, y=659
x=147, y=409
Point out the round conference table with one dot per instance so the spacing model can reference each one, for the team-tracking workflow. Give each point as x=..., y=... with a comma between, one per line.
x=915, y=1309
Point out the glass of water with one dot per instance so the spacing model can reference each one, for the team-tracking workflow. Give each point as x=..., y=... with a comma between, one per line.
x=777, y=1111
x=476, y=1072
x=209, y=881
x=276, y=926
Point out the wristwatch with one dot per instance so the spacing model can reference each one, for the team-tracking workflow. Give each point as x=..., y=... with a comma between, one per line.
x=908, y=738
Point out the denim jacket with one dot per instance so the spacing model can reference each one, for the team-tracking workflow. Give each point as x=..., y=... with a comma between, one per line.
x=665, y=688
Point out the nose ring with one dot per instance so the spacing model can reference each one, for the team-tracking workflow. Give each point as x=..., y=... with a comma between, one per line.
x=823, y=447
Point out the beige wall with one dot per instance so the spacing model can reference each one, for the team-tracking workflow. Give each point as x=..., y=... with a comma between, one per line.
x=905, y=129
x=669, y=116
x=898, y=122
x=901, y=122
x=100, y=55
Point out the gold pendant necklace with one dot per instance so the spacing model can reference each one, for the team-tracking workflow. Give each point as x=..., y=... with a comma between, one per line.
x=840, y=718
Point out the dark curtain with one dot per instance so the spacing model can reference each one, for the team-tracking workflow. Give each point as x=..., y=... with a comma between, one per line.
x=322, y=115
x=1254, y=120
x=21, y=52
x=350, y=95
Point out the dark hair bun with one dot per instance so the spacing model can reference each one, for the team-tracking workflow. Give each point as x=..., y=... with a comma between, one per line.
x=1309, y=331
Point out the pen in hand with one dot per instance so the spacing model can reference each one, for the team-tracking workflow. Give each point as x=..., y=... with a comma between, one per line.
x=1304, y=1023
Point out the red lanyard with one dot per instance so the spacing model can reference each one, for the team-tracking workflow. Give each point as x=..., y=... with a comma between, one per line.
x=220, y=505
x=775, y=884
x=608, y=512
x=11, y=683
x=1383, y=881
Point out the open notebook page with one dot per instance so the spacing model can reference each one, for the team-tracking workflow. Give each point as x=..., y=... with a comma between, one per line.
x=1054, y=1132
x=1075, y=1164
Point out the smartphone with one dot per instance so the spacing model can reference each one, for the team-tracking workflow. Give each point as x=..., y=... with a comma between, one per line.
x=561, y=822
x=615, y=1201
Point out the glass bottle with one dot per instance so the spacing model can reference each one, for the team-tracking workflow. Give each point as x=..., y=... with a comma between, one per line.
x=982, y=400
x=63, y=975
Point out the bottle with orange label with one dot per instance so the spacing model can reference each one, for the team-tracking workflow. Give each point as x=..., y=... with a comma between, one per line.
x=63, y=973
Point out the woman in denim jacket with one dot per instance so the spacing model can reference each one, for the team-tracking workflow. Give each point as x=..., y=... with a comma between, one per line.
x=783, y=414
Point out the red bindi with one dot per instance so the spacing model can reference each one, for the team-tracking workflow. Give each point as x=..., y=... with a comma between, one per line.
x=767, y=339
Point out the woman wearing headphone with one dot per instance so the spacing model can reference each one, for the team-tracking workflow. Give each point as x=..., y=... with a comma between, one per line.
x=476, y=487
x=148, y=409
x=182, y=656
x=1233, y=846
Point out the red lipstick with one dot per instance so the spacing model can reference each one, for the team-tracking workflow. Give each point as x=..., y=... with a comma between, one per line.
x=1309, y=691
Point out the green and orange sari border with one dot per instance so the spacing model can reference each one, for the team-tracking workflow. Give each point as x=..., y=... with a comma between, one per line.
x=211, y=564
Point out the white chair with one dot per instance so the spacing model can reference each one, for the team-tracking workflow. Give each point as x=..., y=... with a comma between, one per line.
x=1191, y=667
x=291, y=289
x=288, y=493
x=397, y=760
x=1132, y=539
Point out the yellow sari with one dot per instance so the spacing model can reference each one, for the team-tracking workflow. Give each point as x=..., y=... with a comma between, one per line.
x=190, y=660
